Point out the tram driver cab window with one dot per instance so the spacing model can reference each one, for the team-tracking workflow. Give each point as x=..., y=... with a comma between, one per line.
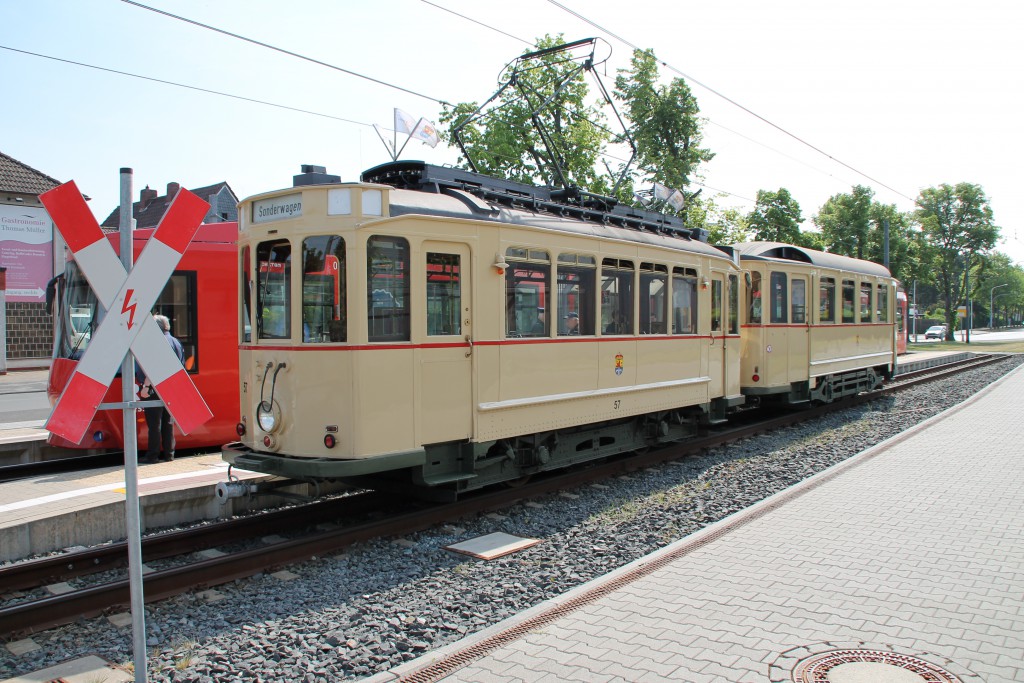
x=273, y=290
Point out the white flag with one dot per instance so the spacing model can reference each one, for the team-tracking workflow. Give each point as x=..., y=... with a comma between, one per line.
x=426, y=133
x=662, y=192
x=676, y=200
x=404, y=123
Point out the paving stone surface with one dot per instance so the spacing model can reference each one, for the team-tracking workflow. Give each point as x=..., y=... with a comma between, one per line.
x=916, y=545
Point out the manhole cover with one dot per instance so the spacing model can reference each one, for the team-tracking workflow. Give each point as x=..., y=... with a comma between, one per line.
x=869, y=666
x=860, y=662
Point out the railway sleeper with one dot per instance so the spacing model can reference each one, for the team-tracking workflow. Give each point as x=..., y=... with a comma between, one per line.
x=458, y=467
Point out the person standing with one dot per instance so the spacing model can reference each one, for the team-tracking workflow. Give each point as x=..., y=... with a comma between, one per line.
x=159, y=422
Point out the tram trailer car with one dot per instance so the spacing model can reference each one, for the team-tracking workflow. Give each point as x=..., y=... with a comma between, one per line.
x=199, y=301
x=452, y=331
x=818, y=326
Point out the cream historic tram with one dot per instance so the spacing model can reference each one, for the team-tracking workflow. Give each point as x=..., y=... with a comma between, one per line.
x=818, y=326
x=449, y=330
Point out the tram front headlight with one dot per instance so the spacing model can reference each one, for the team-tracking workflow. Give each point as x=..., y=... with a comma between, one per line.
x=268, y=417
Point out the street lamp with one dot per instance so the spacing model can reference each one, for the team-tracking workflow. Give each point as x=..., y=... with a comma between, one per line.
x=991, y=291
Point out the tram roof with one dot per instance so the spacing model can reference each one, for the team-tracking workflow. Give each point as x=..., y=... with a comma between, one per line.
x=423, y=189
x=789, y=252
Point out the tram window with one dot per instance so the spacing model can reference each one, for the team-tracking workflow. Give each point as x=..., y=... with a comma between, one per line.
x=81, y=313
x=716, y=305
x=576, y=274
x=653, y=298
x=273, y=290
x=444, y=295
x=684, y=301
x=849, y=289
x=778, y=313
x=387, y=288
x=799, y=303
x=865, y=302
x=526, y=292
x=245, y=287
x=178, y=302
x=734, y=305
x=827, y=300
x=324, y=314
x=617, y=296
x=754, y=299
x=883, y=303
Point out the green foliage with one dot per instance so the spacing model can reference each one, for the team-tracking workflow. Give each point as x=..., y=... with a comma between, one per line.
x=853, y=225
x=959, y=234
x=506, y=143
x=665, y=125
x=776, y=217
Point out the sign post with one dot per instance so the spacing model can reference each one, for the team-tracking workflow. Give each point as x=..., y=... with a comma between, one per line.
x=128, y=294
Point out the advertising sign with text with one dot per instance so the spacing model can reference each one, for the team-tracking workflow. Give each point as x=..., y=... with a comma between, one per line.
x=26, y=250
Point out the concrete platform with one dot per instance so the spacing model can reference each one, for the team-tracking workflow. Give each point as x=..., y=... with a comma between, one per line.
x=921, y=360
x=904, y=563
x=59, y=511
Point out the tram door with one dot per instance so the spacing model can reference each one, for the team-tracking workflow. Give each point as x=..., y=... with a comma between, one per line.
x=445, y=389
x=717, y=355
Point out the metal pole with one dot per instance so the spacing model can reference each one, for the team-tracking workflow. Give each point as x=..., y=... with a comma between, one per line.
x=990, y=292
x=967, y=296
x=131, y=456
x=3, y=320
x=885, y=224
x=915, y=311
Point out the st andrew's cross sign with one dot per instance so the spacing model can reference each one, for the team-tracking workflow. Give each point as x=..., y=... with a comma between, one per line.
x=128, y=298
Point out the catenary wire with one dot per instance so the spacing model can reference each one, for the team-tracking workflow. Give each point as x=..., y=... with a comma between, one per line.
x=183, y=85
x=286, y=52
x=729, y=100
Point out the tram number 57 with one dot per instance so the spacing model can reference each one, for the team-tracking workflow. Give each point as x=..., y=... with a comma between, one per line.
x=616, y=405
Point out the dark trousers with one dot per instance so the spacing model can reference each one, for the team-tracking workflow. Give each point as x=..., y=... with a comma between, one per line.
x=161, y=433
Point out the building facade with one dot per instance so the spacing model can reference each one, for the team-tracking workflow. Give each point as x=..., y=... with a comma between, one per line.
x=28, y=256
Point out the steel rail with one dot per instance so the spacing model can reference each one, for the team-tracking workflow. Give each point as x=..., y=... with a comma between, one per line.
x=53, y=611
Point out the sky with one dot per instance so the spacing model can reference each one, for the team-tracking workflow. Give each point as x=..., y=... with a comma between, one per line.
x=812, y=96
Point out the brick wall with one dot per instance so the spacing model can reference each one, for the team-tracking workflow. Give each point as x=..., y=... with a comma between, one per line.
x=29, y=330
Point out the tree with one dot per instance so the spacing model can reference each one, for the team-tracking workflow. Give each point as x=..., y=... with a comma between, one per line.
x=724, y=225
x=958, y=228
x=776, y=217
x=665, y=125
x=506, y=142
x=845, y=220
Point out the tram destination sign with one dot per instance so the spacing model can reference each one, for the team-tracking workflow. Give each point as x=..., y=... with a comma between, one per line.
x=277, y=208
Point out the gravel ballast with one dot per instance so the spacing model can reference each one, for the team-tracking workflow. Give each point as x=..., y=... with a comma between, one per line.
x=362, y=612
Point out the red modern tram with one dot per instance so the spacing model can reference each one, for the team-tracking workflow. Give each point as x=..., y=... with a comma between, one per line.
x=199, y=300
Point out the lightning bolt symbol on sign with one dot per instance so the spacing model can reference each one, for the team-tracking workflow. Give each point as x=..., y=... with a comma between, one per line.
x=129, y=309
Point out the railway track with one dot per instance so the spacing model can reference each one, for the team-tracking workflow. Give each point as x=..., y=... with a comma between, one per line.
x=34, y=615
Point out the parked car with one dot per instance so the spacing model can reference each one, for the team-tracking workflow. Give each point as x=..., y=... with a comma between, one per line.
x=935, y=332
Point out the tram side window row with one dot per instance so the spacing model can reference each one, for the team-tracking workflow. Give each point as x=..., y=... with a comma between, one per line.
x=859, y=301
x=592, y=298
